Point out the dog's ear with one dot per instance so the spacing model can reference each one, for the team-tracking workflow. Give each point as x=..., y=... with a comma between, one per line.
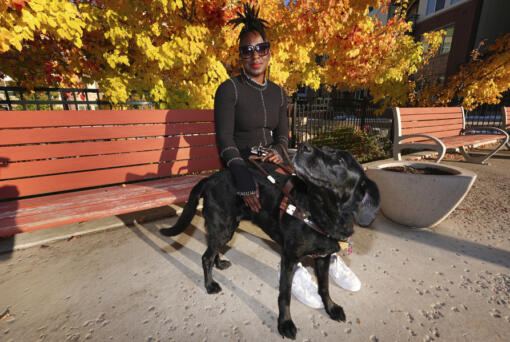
x=369, y=205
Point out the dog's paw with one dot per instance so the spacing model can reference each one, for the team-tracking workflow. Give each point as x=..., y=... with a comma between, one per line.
x=287, y=329
x=337, y=313
x=223, y=264
x=213, y=287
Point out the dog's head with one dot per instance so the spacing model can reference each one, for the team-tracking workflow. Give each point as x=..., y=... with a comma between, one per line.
x=339, y=173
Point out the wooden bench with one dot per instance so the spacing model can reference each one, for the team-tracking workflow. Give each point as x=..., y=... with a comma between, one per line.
x=439, y=129
x=505, y=122
x=60, y=167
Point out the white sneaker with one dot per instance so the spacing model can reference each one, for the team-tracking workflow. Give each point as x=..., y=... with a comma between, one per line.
x=342, y=275
x=304, y=288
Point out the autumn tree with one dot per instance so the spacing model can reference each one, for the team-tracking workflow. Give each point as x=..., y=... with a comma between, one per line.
x=41, y=41
x=481, y=80
x=180, y=51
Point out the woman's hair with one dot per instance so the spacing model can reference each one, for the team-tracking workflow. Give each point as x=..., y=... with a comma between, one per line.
x=251, y=22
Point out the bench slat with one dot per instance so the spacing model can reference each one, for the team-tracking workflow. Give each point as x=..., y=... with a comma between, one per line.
x=57, y=118
x=431, y=123
x=67, y=200
x=463, y=140
x=466, y=140
x=62, y=182
x=429, y=117
x=31, y=152
x=46, y=135
x=53, y=166
x=440, y=135
x=82, y=214
x=429, y=110
x=441, y=131
x=106, y=207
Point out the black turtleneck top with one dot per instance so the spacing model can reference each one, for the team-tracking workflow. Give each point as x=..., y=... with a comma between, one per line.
x=248, y=114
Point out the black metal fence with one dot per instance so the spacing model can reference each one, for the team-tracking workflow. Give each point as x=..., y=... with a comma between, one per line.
x=485, y=115
x=16, y=98
x=320, y=115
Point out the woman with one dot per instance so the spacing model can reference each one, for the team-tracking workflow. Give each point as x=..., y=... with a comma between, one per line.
x=251, y=111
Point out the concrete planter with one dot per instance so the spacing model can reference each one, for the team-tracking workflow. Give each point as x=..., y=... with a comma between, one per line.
x=420, y=200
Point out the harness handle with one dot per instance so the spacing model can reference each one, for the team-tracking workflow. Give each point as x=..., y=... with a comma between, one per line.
x=291, y=209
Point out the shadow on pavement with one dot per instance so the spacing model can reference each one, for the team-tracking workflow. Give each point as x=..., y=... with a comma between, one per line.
x=427, y=237
x=264, y=272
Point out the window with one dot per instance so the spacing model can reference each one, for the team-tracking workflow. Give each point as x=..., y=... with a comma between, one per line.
x=439, y=5
x=453, y=2
x=446, y=45
x=431, y=5
x=436, y=5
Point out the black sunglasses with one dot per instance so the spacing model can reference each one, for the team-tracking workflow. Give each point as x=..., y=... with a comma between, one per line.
x=247, y=51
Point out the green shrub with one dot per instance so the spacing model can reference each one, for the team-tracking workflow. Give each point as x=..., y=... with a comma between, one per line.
x=363, y=146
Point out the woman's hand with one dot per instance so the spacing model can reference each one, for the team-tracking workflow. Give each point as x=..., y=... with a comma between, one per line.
x=272, y=157
x=252, y=201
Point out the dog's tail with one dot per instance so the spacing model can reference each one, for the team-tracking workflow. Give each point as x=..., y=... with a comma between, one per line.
x=189, y=211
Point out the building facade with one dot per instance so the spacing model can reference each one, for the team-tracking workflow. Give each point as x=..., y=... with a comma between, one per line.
x=467, y=23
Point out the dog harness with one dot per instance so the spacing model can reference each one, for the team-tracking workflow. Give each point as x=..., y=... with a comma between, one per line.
x=288, y=204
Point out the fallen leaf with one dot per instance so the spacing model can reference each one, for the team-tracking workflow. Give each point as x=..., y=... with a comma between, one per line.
x=5, y=315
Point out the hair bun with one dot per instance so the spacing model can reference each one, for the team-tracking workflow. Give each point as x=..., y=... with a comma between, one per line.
x=250, y=20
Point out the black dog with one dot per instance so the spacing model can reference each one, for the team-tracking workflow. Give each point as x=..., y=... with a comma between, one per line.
x=330, y=184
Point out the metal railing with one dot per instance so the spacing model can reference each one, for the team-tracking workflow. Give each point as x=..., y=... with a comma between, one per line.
x=485, y=115
x=321, y=115
x=16, y=98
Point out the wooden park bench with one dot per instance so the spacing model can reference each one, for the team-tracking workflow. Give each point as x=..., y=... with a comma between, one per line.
x=439, y=129
x=60, y=167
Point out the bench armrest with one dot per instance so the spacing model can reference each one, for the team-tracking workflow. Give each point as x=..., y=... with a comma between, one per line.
x=483, y=159
x=398, y=145
x=405, y=137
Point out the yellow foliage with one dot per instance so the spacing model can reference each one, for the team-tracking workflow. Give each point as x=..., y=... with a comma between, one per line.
x=180, y=51
x=482, y=80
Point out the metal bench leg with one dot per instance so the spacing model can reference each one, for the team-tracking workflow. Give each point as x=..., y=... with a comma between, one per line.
x=440, y=154
x=482, y=159
x=396, y=151
x=507, y=129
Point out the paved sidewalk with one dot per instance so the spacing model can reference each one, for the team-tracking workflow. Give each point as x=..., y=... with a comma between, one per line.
x=122, y=281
